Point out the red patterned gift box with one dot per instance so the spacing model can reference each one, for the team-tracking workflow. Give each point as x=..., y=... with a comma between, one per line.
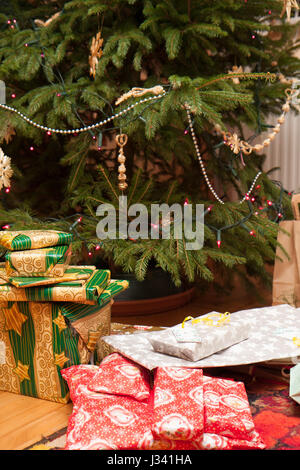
x=185, y=411
x=178, y=404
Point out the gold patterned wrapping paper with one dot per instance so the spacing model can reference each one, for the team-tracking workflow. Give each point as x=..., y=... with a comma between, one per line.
x=46, y=262
x=88, y=293
x=32, y=239
x=42, y=338
x=74, y=274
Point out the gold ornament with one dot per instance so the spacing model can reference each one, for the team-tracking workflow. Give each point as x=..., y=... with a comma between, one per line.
x=5, y=170
x=121, y=140
x=237, y=145
x=287, y=8
x=44, y=24
x=156, y=90
x=95, y=53
x=236, y=69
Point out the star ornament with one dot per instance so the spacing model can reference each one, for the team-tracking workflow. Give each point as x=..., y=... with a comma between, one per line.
x=95, y=53
x=287, y=8
x=233, y=142
x=5, y=170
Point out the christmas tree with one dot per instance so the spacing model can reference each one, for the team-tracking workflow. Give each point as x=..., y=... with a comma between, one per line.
x=214, y=71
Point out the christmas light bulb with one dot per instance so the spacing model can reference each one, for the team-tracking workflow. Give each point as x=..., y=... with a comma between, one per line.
x=252, y=233
x=279, y=215
x=258, y=186
x=186, y=202
x=79, y=220
x=90, y=253
x=270, y=203
x=252, y=199
x=31, y=148
x=247, y=197
x=219, y=243
x=5, y=227
x=97, y=247
x=48, y=132
x=7, y=190
x=13, y=95
x=186, y=132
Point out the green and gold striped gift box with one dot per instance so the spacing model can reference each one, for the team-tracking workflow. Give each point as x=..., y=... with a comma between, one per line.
x=40, y=340
x=87, y=293
x=47, y=262
x=73, y=273
x=33, y=239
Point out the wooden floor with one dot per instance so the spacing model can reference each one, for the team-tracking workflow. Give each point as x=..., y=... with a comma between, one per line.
x=25, y=421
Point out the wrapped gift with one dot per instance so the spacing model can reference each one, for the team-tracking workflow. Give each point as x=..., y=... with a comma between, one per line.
x=265, y=324
x=295, y=383
x=42, y=338
x=178, y=404
x=73, y=273
x=107, y=420
x=32, y=239
x=48, y=262
x=102, y=421
x=201, y=337
x=87, y=293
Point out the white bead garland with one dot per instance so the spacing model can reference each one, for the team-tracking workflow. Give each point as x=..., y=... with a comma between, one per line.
x=82, y=129
x=198, y=153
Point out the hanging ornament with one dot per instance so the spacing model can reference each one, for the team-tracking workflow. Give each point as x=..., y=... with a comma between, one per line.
x=121, y=140
x=95, y=53
x=44, y=24
x=236, y=69
x=287, y=8
x=5, y=170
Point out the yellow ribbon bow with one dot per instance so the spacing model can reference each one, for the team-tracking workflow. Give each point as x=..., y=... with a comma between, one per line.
x=209, y=319
x=296, y=341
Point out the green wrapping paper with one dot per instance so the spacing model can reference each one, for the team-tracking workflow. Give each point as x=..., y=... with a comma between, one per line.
x=73, y=273
x=33, y=239
x=40, y=339
x=47, y=262
x=87, y=293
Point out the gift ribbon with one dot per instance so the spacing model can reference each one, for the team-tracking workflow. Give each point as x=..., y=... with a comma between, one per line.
x=296, y=341
x=209, y=319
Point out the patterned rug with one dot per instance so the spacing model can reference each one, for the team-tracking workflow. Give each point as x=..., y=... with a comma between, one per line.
x=275, y=414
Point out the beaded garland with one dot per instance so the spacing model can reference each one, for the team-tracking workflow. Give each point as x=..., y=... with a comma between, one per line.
x=238, y=145
x=202, y=166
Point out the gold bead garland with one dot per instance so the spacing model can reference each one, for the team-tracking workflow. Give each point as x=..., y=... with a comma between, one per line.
x=121, y=140
x=237, y=145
